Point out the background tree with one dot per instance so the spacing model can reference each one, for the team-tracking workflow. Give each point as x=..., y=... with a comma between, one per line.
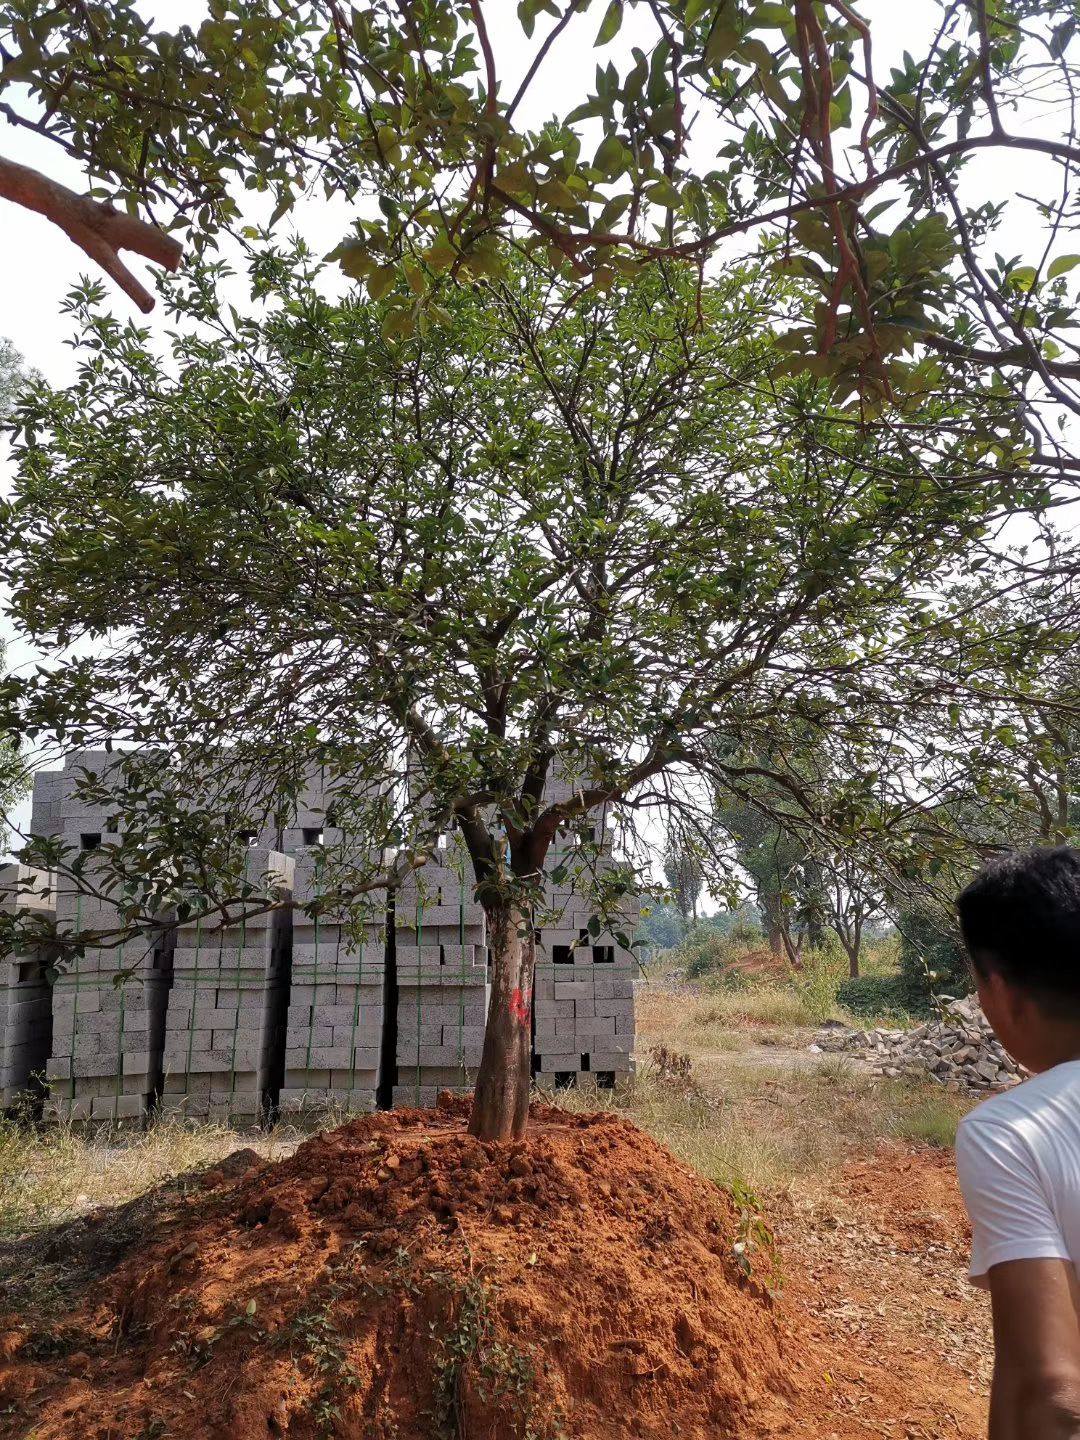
x=715, y=118
x=14, y=781
x=776, y=862
x=683, y=871
x=14, y=777
x=566, y=528
x=12, y=376
x=851, y=900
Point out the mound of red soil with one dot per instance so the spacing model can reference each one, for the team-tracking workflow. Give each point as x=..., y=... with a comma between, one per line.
x=398, y=1280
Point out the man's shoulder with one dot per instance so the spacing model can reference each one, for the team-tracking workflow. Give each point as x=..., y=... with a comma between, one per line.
x=1037, y=1100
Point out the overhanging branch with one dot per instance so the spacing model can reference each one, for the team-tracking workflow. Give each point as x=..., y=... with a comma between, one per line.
x=97, y=228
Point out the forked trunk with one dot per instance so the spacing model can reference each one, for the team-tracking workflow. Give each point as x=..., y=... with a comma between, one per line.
x=792, y=949
x=501, y=1106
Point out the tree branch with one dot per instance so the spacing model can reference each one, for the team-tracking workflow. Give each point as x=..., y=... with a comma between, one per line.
x=1066, y=370
x=96, y=228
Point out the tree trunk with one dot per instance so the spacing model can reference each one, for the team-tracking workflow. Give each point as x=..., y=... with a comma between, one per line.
x=501, y=1106
x=776, y=939
x=856, y=947
x=791, y=949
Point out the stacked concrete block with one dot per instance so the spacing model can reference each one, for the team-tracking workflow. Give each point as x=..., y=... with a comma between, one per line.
x=583, y=1005
x=225, y=1028
x=45, y=808
x=291, y=1008
x=25, y=990
x=108, y=1001
x=336, y=1015
x=584, y=991
x=440, y=953
x=310, y=822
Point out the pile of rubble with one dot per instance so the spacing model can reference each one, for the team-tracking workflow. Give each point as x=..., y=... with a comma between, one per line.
x=958, y=1049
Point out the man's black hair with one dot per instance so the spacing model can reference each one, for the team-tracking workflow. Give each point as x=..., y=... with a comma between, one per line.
x=1020, y=916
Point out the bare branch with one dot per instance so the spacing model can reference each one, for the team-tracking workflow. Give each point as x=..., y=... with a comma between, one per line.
x=97, y=228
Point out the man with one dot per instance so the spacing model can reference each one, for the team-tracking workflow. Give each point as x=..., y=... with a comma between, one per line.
x=1018, y=1154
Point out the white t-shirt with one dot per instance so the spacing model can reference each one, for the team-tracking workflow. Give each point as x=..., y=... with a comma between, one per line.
x=1018, y=1159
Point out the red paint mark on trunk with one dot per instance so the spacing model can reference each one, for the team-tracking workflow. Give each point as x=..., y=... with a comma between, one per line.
x=521, y=1006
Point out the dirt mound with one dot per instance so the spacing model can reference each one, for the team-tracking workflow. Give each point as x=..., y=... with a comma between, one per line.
x=759, y=964
x=398, y=1279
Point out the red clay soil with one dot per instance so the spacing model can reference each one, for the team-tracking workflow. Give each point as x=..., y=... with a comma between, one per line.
x=884, y=1271
x=397, y=1280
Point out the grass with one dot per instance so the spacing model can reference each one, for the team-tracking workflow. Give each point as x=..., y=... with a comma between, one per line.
x=62, y=1172
x=708, y=1013
x=769, y=1121
x=778, y=1129
x=932, y=1118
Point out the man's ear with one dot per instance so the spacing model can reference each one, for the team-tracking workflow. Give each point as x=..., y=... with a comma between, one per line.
x=1006, y=1001
x=994, y=993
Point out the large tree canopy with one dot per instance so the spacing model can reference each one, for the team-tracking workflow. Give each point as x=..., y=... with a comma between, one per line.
x=707, y=119
x=555, y=528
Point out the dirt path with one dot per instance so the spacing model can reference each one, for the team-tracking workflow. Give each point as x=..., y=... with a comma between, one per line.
x=883, y=1274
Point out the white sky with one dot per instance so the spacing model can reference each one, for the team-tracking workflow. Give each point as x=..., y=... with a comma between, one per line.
x=38, y=265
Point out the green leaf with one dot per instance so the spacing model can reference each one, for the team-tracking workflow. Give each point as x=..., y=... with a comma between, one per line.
x=354, y=257
x=695, y=9
x=283, y=206
x=380, y=281
x=1023, y=277
x=616, y=206
x=664, y=193
x=723, y=42
x=1062, y=265
x=441, y=256
x=770, y=16
x=1061, y=36
x=609, y=26
x=610, y=155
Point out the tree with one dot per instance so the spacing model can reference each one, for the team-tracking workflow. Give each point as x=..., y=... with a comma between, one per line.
x=14, y=782
x=14, y=777
x=662, y=927
x=851, y=900
x=796, y=134
x=683, y=871
x=574, y=529
x=778, y=864
x=12, y=376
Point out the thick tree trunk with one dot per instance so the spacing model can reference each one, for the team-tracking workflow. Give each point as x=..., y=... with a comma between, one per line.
x=776, y=939
x=501, y=1106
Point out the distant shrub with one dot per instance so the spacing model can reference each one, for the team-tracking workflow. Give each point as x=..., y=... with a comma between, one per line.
x=744, y=934
x=871, y=995
x=662, y=927
x=817, y=982
x=706, y=953
x=880, y=955
x=932, y=960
